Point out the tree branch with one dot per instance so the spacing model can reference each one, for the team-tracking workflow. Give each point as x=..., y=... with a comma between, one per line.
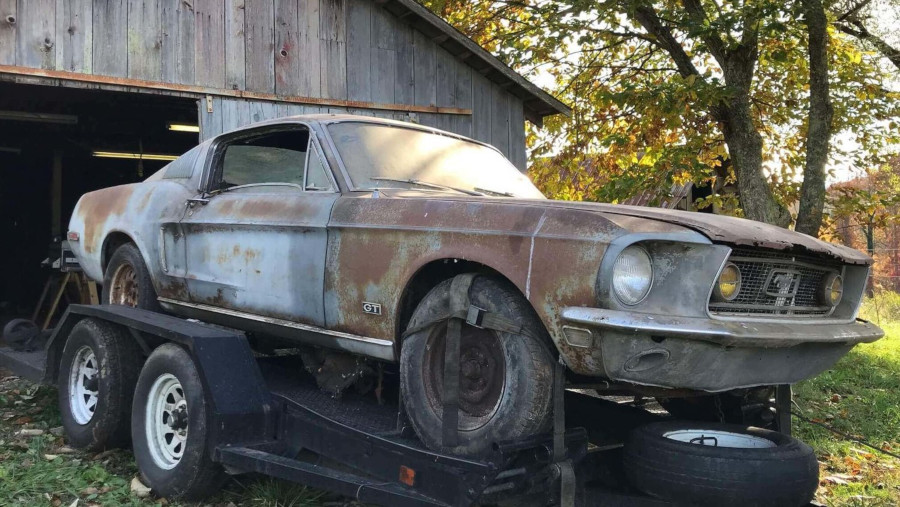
x=861, y=33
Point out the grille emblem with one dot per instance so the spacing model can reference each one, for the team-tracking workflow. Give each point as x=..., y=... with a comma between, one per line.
x=783, y=284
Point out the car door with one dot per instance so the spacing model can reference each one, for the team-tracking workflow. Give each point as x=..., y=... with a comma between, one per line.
x=256, y=239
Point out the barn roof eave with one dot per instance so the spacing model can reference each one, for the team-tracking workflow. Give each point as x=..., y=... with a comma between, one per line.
x=538, y=103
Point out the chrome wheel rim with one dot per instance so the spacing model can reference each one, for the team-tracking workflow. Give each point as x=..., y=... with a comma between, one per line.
x=166, y=423
x=719, y=438
x=124, y=289
x=83, y=385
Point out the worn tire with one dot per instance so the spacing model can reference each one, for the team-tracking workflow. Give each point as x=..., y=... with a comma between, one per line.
x=117, y=359
x=523, y=401
x=786, y=474
x=194, y=475
x=17, y=333
x=128, y=257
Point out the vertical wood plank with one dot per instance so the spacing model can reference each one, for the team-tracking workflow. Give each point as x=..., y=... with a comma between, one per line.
x=359, y=50
x=177, y=42
x=481, y=108
x=235, y=49
x=425, y=70
x=309, y=82
x=259, y=29
x=8, y=23
x=287, y=47
x=462, y=124
x=445, y=72
x=144, y=40
x=110, y=29
x=384, y=75
x=500, y=119
x=405, y=80
x=211, y=124
x=517, y=154
x=209, y=43
x=74, y=34
x=333, y=49
x=35, y=37
x=231, y=116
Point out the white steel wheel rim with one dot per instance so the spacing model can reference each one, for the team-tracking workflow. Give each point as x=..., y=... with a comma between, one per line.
x=166, y=421
x=83, y=388
x=718, y=438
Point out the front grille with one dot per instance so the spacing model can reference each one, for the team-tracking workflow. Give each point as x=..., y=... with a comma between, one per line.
x=774, y=283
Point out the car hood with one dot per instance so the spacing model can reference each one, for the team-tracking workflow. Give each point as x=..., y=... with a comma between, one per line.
x=718, y=228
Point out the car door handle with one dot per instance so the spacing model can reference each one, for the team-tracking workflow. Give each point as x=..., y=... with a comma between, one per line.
x=197, y=200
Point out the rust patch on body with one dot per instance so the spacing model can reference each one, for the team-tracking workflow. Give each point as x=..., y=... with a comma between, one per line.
x=97, y=208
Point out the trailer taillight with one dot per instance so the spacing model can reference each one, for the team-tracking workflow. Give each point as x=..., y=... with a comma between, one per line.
x=72, y=236
x=407, y=475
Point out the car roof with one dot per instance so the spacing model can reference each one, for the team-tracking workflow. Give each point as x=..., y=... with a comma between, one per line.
x=326, y=119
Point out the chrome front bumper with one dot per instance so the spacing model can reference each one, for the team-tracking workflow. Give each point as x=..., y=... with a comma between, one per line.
x=732, y=333
x=707, y=354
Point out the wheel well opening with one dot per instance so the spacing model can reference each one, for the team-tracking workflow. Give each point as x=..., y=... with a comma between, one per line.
x=427, y=278
x=110, y=245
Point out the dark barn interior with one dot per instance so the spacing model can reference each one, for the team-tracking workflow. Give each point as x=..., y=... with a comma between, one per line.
x=49, y=143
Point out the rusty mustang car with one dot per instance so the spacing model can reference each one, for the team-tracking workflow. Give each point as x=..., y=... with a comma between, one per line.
x=343, y=235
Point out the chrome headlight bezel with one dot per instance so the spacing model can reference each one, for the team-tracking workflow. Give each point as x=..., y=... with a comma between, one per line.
x=642, y=261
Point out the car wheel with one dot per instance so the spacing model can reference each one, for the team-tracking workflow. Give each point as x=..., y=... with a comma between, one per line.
x=169, y=427
x=127, y=280
x=720, y=464
x=505, y=379
x=97, y=374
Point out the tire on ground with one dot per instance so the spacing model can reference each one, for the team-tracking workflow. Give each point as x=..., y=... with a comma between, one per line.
x=192, y=475
x=127, y=280
x=506, y=380
x=784, y=474
x=97, y=374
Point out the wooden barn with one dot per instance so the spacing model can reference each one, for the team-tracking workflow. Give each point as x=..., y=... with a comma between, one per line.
x=95, y=93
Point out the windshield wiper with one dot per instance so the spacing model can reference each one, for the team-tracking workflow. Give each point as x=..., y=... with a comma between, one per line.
x=427, y=185
x=494, y=192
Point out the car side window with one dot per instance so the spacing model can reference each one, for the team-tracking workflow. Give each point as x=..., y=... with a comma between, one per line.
x=316, y=173
x=273, y=157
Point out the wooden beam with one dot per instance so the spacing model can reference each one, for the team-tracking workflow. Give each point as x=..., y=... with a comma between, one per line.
x=37, y=75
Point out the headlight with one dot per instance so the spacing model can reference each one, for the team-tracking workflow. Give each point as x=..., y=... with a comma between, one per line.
x=729, y=284
x=832, y=290
x=632, y=275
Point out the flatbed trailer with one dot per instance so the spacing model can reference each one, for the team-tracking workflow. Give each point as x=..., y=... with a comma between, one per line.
x=268, y=416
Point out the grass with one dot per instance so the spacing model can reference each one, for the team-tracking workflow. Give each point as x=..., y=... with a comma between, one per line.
x=860, y=396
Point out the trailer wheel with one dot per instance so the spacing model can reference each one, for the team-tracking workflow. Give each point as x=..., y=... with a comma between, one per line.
x=720, y=464
x=97, y=373
x=127, y=280
x=505, y=379
x=169, y=427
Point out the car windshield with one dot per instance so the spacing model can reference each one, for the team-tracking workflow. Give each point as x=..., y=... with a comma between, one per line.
x=379, y=156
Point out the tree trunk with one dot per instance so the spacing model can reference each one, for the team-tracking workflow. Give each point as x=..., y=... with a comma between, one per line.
x=818, y=135
x=745, y=147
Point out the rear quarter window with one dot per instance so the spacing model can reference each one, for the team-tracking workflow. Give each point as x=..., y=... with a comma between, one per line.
x=183, y=166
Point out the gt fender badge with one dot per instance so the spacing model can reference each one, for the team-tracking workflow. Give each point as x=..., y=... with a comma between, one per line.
x=372, y=308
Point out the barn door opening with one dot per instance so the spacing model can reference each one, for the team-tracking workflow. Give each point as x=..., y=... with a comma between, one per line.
x=58, y=143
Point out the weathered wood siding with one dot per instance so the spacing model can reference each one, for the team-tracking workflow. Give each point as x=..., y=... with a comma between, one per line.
x=350, y=50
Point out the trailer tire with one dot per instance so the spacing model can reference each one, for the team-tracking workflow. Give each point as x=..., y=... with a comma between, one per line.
x=169, y=390
x=505, y=391
x=748, y=466
x=127, y=280
x=104, y=357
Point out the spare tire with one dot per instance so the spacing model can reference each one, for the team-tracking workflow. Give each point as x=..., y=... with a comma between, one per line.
x=720, y=464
